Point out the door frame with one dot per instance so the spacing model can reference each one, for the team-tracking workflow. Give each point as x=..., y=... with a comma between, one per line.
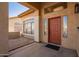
x=49, y=29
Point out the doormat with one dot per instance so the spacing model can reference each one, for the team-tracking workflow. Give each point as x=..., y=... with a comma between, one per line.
x=52, y=47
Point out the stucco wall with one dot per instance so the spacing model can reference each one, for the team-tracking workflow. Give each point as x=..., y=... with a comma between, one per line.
x=35, y=16
x=13, y=29
x=13, y=35
x=70, y=41
x=3, y=28
x=12, y=21
x=77, y=32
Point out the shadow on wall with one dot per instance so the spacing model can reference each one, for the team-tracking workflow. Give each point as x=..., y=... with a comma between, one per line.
x=14, y=35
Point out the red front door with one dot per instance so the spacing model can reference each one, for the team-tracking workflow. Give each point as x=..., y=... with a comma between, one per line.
x=54, y=30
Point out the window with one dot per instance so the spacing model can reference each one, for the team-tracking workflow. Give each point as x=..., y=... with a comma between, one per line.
x=65, y=18
x=32, y=27
x=77, y=8
x=45, y=26
x=29, y=27
x=56, y=7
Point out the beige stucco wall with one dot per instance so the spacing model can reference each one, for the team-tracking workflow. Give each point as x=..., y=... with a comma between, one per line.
x=12, y=21
x=3, y=28
x=35, y=16
x=77, y=32
x=13, y=35
x=14, y=32
x=72, y=40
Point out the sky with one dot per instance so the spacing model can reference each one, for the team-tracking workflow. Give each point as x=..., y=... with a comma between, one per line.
x=16, y=9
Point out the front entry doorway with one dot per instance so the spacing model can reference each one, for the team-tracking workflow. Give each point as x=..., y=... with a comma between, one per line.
x=54, y=30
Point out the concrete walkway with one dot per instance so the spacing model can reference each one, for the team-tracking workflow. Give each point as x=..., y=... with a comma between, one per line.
x=39, y=50
x=19, y=42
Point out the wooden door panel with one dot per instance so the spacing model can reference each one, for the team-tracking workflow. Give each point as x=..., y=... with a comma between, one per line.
x=55, y=30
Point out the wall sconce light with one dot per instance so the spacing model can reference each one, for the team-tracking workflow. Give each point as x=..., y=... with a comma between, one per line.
x=77, y=8
x=78, y=28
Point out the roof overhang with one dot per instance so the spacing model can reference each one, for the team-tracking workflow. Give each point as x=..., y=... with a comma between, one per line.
x=26, y=13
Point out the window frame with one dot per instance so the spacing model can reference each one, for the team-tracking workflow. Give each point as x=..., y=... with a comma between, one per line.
x=26, y=23
x=65, y=35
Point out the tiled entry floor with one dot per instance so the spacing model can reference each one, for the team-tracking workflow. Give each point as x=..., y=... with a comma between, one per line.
x=39, y=50
x=19, y=42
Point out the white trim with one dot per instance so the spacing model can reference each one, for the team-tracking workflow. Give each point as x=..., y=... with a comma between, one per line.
x=39, y=0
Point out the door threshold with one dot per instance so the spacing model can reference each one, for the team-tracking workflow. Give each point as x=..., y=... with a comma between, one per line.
x=54, y=44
